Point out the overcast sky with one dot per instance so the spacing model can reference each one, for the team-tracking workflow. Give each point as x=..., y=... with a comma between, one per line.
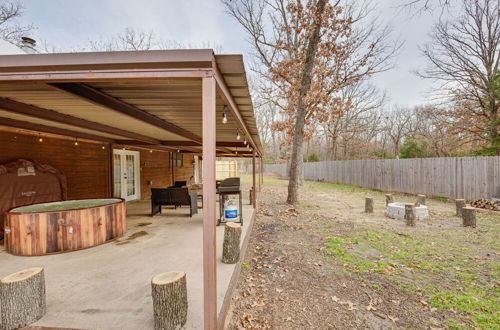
x=70, y=24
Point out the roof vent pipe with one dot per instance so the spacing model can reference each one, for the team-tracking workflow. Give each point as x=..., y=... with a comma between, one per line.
x=28, y=45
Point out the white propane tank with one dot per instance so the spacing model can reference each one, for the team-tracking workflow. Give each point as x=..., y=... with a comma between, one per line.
x=230, y=211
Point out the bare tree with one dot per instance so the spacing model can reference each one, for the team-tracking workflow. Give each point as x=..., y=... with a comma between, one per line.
x=360, y=118
x=137, y=39
x=420, y=6
x=129, y=39
x=400, y=122
x=465, y=55
x=307, y=76
x=10, y=27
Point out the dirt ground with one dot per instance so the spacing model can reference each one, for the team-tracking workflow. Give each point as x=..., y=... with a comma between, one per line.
x=326, y=264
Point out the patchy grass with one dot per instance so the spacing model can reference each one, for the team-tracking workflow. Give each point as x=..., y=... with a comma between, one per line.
x=313, y=185
x=436, y=275
x=272, y=181
x=309, y=185
x=454, y=277
x=478, y=303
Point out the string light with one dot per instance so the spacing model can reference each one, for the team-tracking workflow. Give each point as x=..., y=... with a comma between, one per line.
x=150, y=150
x=238, y=136
x=103, y=147
x=178, y=150
x=224, y=115
x=76, y=141
x=245, y=142
x=40, y=139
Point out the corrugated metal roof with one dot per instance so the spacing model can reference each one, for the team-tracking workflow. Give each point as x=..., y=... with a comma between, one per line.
x=177, y=100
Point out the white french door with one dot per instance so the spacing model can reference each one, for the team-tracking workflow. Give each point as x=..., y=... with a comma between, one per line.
x=126, y=174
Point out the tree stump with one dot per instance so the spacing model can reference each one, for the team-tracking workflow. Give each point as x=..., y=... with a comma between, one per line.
x=389, y=199
x=22, y=298
x=231, y=245
x=369, y=205
x=420, y=200
x=459, y=204
x=469, y=216
x=170, y=304
x=410, y=215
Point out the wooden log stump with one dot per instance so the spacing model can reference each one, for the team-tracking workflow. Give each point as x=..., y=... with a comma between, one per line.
x=410, y=215
x=389, y=199
x=22, y=298
x=459, y=204
x=469, y=216
x=420, y=200
x=170, y=304
x=231, y=244
x=369, y=205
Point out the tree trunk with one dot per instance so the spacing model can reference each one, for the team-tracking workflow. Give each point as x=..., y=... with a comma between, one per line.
x=301, y=173
x=369, y=205
x=494, y=122
x=275, y=146
x=231, y=244
x=469, y=216
x=388, y=199
x=169, y=293
x=459, y=204
x=22, y=298
x=410, y=215
x=305, y=85
x=420, y=200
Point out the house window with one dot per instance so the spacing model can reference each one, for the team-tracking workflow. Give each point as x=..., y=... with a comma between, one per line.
x=178, y=159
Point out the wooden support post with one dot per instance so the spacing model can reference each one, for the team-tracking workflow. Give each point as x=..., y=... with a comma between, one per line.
x=250, y=196
x=369, y=205
x=459, y=204
x=469, y=216
x=420, y=200
x=260, y=174
x=22, y=298
x=254, y=199
x=231, y=244
x=261, y=171
x=389, y=199
x=173, y=167
x=111, y=161
x=170, y=306
x=410, y=215
x=208, y=173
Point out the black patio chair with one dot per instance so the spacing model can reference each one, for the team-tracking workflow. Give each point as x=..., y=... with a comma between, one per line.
x=179, y=184
x=173, y=197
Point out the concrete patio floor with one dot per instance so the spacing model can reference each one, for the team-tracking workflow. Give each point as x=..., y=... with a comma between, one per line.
x=108, y=286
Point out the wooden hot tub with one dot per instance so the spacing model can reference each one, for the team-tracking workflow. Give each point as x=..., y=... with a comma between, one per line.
x=65, y=226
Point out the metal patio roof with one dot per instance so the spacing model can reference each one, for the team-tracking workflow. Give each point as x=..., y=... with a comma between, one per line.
x=143, y=98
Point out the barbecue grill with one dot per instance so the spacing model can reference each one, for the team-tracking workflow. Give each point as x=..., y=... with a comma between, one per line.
x=229, y=186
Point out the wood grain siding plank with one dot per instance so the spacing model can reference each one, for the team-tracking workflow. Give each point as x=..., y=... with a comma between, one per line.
x=85, y=166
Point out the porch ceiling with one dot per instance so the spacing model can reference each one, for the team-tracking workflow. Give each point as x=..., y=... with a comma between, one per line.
x=155, y=110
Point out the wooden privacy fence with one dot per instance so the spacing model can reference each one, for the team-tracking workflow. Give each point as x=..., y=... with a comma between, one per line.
x=460, y=177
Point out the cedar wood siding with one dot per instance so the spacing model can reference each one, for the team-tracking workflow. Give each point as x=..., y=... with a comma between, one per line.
x=86, y=166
